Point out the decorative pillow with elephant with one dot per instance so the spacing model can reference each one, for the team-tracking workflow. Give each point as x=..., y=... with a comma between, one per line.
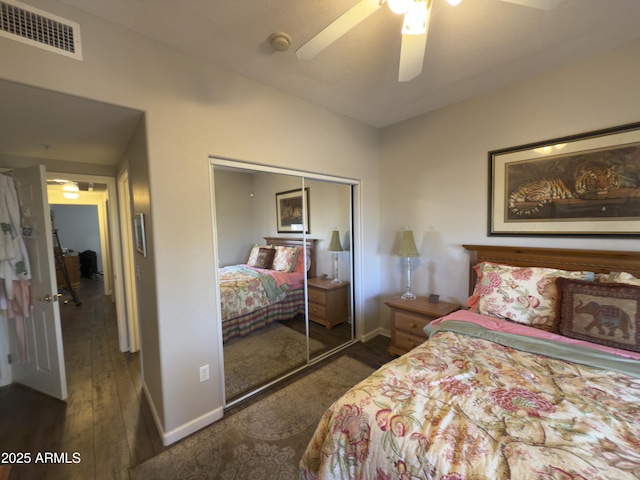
x=607, y=314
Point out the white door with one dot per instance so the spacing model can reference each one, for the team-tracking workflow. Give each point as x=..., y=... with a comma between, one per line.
x=41, y=364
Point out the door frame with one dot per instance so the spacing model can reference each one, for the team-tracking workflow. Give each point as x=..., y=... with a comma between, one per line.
x=113, y=266
x=126, y=222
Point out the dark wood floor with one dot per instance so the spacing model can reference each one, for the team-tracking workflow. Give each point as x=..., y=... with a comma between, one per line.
x=106, y=420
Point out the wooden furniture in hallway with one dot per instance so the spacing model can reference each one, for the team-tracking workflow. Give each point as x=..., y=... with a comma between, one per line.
x=72, y=262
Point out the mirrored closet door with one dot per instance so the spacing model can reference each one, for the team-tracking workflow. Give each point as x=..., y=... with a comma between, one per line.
x=329, y=291
x=284, y=245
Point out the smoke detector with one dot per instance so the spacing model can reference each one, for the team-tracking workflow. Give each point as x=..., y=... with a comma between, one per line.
x=280, y=41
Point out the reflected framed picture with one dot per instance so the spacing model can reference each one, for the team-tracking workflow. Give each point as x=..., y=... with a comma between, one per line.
x=141, y=240
x=292, y=211
x=583, y=185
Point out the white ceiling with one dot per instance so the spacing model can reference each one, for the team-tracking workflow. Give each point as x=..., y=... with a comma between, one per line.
x=478, y=46
x=39, y=123
x=474, y=48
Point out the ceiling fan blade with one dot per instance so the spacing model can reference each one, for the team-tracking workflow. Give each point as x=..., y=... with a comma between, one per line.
x=336, y=29
x=413, y=45
x=411, y=56
x=539, y=4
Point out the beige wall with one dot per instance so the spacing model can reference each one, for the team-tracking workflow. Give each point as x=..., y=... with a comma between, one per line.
x=236, y=225
x=135, y=159
x=435, y=167
x=193, y=111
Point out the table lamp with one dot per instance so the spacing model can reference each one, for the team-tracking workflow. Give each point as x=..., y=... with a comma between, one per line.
x=335, y=246
x=407, y=250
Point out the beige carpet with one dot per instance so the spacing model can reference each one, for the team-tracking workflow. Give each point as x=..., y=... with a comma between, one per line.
x=263, y=356
x=266, y=440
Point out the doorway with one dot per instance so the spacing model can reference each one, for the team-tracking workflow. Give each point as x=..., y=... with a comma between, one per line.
x=92, y=138
x=99, y=195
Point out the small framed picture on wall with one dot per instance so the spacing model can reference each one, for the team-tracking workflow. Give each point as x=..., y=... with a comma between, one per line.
x=141, y=240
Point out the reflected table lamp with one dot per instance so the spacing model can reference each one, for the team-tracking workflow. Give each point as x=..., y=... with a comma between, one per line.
x=335, y=246
x=407, y=250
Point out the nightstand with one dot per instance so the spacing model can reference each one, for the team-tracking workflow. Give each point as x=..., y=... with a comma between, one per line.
x=328, y=301
x=408, y=319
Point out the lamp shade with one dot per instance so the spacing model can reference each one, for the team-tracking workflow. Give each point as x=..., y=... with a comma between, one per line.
x=408, y=245
x=335, y=245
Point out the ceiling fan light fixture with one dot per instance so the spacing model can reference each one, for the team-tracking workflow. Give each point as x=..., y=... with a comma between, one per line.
x=454, y=3
x=415, y=19
x=399, y=6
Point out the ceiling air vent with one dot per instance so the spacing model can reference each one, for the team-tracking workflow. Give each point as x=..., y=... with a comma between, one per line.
x=29, y=25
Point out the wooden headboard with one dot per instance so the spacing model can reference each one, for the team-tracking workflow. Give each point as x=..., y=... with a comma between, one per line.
x=597, y=261
x=308, y=243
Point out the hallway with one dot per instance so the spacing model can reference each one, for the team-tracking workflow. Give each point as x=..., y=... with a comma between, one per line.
x=105, y=427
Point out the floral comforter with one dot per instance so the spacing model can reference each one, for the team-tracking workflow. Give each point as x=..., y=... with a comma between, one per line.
x=244, y=289
x=466, y=406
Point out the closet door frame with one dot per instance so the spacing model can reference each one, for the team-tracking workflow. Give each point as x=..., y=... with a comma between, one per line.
x=356, y=307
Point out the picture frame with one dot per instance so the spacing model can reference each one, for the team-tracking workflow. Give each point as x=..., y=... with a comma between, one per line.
x=290, y=208
x=580, y=185
x=139, y=230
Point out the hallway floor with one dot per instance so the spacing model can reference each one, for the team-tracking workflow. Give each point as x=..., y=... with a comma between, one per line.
x=106, y=421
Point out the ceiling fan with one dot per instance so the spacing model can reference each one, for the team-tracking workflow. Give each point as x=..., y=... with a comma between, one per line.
x=417, y=14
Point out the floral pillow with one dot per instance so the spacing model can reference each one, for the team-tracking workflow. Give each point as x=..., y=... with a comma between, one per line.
x=255, y=252
x=526, y=295
x=264, y=258
x=607, y=314
x=285, y=259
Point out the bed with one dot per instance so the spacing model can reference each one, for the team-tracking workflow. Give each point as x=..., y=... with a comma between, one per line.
x=268, y=288
x=518, y=386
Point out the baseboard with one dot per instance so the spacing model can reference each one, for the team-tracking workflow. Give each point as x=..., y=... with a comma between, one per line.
x=378, y=331
x=191, y=427
x=183, y=430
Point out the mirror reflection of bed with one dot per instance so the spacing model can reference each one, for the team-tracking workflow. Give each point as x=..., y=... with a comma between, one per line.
x=267, y=334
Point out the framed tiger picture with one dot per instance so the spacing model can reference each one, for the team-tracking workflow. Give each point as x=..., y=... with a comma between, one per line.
x=587, y=184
